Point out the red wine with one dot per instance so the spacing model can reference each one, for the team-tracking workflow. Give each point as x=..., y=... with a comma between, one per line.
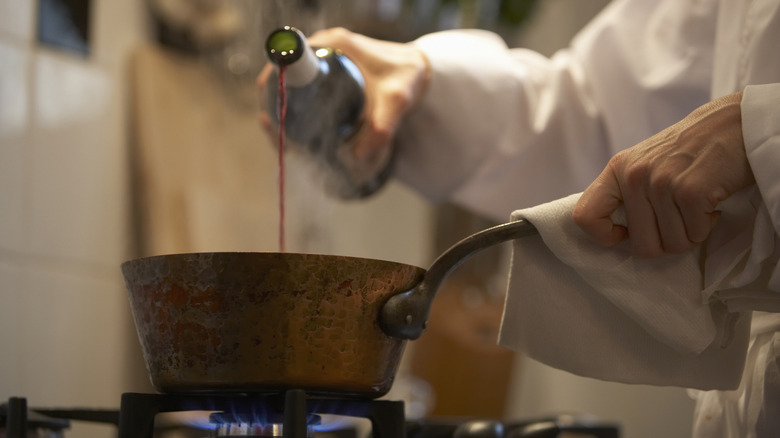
x=281, y=111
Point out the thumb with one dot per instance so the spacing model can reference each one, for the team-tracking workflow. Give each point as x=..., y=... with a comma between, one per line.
x=594, y=208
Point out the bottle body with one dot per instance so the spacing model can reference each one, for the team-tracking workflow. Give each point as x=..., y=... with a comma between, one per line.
x=327, y=110
x=324, y=111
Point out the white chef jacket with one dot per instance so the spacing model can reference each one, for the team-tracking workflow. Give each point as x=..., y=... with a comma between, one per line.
x=501, y=129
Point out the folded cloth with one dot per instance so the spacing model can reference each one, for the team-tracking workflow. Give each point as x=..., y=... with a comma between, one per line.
x=602, y=313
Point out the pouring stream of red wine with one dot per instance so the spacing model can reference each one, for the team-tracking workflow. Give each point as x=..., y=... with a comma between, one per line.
x=281, y=109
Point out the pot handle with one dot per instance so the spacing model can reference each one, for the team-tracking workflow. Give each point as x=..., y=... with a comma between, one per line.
x=405, y=315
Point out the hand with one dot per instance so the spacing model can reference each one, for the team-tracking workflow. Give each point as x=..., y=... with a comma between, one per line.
x=395, y=73
x=671, y=183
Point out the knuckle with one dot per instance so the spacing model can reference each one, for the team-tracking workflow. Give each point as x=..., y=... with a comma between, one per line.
x=715, y=195
x=635, y=177
x=617, y=161
x=689, y=194
x=660, y=181
x=397, y=96
x=339, y=32
x=694, y=196
x=333, y=36
x=631, y=173
x=580, y=216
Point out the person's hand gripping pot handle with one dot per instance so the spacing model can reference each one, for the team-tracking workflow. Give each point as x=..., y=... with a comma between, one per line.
x=670, y=184
x=395, y=76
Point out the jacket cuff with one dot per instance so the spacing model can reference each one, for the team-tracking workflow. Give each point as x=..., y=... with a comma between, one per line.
x=761, y=134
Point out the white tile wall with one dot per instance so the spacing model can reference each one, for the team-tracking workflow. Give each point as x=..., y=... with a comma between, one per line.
x=64, y=319
x=74, y=155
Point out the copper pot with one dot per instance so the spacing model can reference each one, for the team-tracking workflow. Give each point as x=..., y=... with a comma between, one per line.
x=266, y=322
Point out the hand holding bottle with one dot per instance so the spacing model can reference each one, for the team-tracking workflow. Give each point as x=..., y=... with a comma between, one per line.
x=395, y=76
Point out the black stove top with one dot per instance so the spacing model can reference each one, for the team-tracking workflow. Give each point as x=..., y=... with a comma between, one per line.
x=292, y=413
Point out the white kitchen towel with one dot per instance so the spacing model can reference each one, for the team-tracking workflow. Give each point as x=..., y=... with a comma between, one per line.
x=602, y=313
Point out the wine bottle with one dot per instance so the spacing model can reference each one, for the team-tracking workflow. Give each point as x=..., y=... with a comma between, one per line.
x=325, y=104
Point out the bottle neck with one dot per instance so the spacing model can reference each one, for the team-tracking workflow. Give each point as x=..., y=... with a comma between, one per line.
x=303, y=71
x=287, y=48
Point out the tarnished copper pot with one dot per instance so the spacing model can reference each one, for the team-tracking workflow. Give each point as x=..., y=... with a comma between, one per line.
x=256, y=322
x=267, y=322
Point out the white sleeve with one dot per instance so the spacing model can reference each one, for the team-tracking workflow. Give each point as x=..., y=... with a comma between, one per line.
x=761, y=132
x=500, y=129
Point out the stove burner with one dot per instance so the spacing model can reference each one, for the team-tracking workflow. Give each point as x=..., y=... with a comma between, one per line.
x=294, y=407
x=233, y=424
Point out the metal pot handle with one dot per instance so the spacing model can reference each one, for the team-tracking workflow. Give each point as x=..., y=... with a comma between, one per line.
x=406, y=315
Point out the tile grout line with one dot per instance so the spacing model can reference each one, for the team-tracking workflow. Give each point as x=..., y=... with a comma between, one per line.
x=29, y=139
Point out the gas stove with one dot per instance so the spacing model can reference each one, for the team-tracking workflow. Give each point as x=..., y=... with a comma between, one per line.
x=291, y=414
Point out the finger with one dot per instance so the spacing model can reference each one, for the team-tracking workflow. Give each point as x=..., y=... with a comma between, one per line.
x=384, y=118
x=699, y=229
x=670, y=225
x=335, y=37
x=669, y=220
x=642, y=226
x=594, y=208
x=697, y=208
x=324, y=37
x=263, y=76
x=387, y=103
x=699, y=220
x=366, y=143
